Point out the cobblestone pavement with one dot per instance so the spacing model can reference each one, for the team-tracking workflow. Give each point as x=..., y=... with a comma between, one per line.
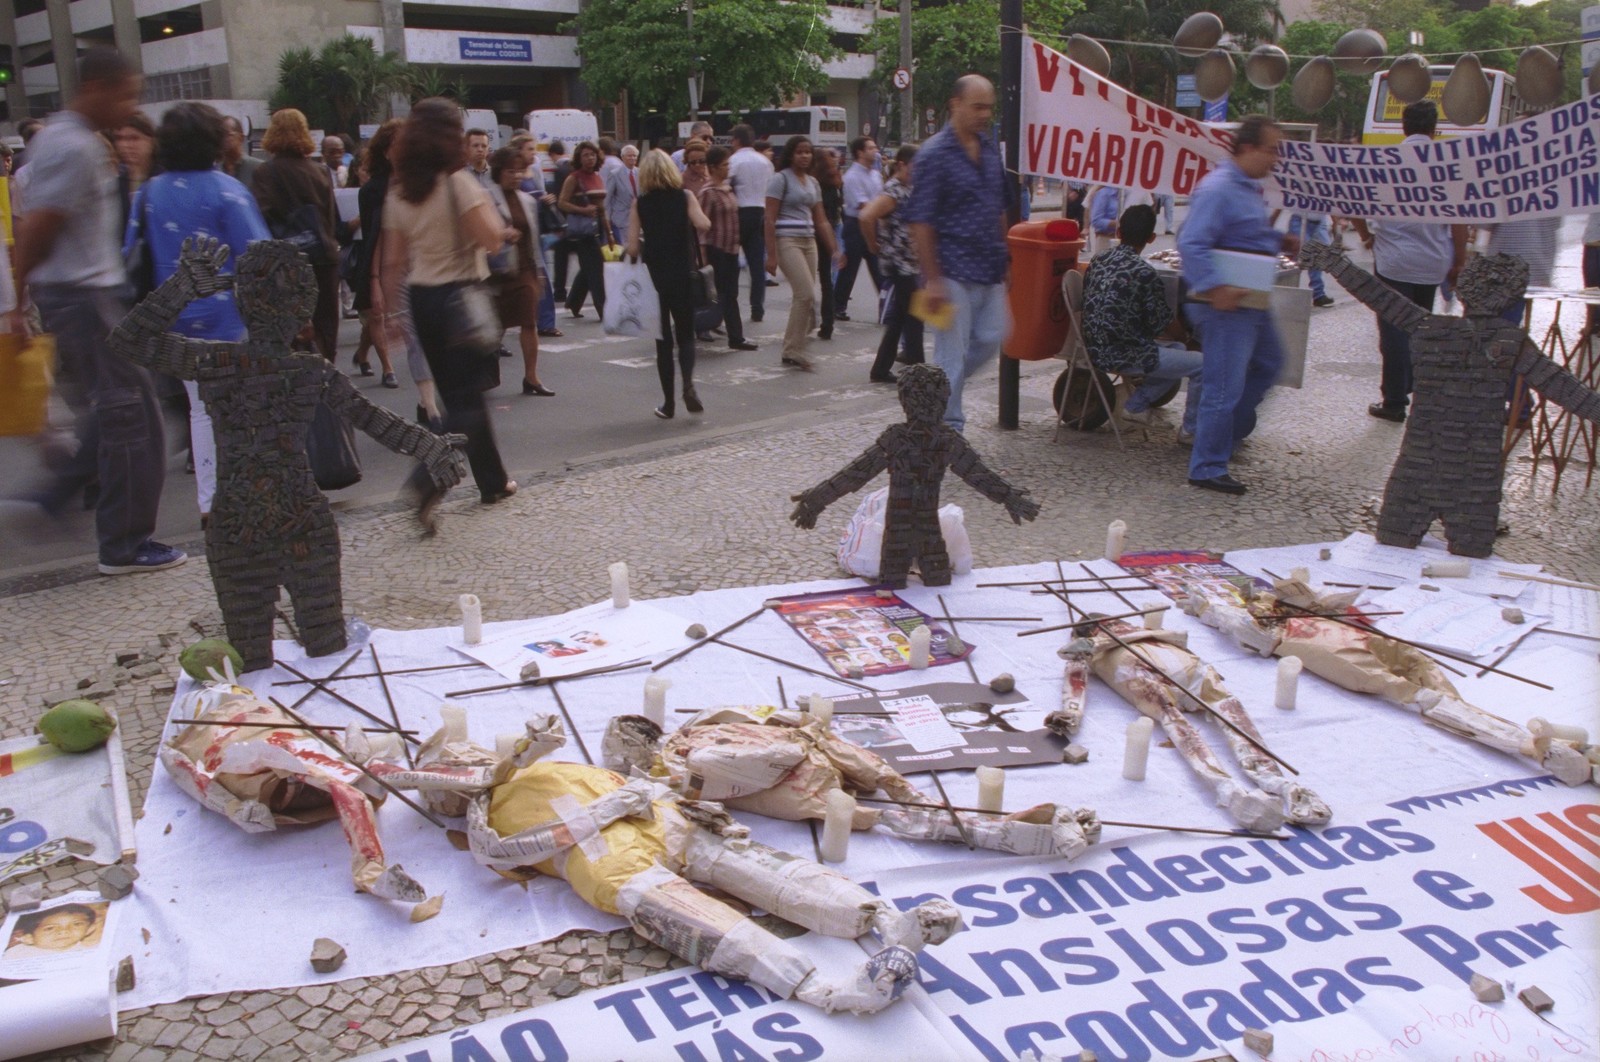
x=702, y=517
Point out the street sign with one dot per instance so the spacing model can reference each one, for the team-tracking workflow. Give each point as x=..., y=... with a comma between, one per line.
x=1216, y=112
x=1186, y=95
x=902, y=78
x=1591, y=38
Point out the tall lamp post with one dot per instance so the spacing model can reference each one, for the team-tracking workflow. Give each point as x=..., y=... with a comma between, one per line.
x=1010, y=135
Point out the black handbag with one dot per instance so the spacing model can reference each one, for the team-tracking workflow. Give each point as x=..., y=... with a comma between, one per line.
x=331, y=450
x=470, y=322
x=140, y=261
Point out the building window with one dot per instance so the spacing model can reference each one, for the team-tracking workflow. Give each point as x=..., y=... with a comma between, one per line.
x=178, y=85
x=44, y=102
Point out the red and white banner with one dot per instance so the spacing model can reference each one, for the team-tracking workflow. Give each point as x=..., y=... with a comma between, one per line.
x=1077, y=126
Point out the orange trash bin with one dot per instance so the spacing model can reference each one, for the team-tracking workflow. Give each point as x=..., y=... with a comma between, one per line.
x=1041, y=252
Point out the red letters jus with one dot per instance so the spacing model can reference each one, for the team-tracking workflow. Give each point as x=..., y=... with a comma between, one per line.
x=1554, y=847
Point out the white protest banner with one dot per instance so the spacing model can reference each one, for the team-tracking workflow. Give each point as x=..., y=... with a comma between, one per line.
x=1077, y=126
x=48, y=797
x=688, y=1016
x=1169, y=947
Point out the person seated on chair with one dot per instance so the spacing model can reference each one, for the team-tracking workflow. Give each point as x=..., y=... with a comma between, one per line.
x=1128, y=326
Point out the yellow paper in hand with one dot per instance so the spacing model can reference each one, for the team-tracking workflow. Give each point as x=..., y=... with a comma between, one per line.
x=942, y=318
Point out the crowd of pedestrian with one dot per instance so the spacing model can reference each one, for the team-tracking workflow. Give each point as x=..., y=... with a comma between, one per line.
x=448, y=246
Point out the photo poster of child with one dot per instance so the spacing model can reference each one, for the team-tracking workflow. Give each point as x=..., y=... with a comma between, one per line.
x=1170, y=570
x=63, y=935
x=866, y=627
x=56, y=974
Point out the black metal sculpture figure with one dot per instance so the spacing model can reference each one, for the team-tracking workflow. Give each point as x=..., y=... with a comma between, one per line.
x=270, y=526
x=1451, y=464
x=916, y=455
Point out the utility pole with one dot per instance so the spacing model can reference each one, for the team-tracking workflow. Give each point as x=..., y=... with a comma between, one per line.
x=908, y=104
x=694, y=65
x=1010, y=135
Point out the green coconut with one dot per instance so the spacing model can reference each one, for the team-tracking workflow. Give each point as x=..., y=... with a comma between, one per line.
x=77, y=726
x=199, y=659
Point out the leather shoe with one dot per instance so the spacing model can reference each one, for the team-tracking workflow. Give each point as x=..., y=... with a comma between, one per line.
x=1223, y=484
x=743, y=344
x=691, y=400
x=887, y=378
x=1383, y=412
x=536, y=389
x=840, y=315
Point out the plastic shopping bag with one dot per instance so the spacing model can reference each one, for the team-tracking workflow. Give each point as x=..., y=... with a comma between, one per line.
x=27, y=365
x=631, y=306
x=862, y=544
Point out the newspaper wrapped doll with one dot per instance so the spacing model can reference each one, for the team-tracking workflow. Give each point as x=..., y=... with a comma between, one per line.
x=1365, y=661
x=635, y=849
x=1263, y=806
x=261, y=778
x=783, y=764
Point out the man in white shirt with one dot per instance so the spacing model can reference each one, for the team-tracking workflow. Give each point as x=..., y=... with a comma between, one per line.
x=862, y=184
x=622, y=187
x=749, y=171
x=1413, y=258
x=697, y=131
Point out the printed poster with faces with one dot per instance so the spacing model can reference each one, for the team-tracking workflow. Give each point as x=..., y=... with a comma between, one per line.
x=56, y=975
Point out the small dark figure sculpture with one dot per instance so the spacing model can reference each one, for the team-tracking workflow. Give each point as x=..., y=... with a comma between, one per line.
x=916, y=455
x=270, y=526
x=1450, y=464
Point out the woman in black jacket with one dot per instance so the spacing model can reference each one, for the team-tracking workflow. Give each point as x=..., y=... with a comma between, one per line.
x=295, y=193
x=661, y=219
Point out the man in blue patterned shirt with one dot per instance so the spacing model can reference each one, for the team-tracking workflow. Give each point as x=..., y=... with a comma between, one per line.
x=1125, y=309
x=1242, y=351
x=957, y=214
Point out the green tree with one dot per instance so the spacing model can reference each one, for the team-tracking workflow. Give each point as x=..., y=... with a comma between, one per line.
x=424, y=82
x=346, y=82
x=950, y=38
x=751, y=53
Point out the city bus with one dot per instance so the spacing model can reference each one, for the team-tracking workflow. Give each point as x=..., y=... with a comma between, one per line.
x=1381, y=122
x=824, y=126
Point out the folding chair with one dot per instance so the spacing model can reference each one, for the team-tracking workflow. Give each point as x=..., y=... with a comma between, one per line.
x=1076, y=353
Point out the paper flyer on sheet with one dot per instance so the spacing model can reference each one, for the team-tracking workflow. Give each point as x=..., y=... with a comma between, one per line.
x=597, y=636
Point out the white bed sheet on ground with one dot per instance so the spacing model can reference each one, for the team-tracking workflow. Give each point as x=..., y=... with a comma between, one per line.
x=230, y=911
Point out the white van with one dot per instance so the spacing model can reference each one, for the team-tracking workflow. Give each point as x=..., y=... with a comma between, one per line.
x=489, y=122
x=571, y=127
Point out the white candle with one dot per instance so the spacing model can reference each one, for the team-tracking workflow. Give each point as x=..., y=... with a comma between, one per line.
x=1137, y=750
x=619, y=585
x=1448, y=569
x=991, y=788
x=835, y=843
x=921, y=642
x=1154, y=620
x=821, y=709
x=1300, y=575
x=1543, y=728
x=1289, y=668
x=1116, y=538
x=655, y=699
x=471, y=619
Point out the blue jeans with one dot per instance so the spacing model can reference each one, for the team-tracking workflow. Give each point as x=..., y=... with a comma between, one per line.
x=1177, y=362
x=973, y=338
x=1315, y=229
x=1242, y=358
x=121, y=442
x=547, y=300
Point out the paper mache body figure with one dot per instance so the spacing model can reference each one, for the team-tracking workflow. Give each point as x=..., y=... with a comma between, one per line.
x=270, y=525
x=783, y=764
x=1451, y=463
x=260, y=778
x=1365, y=661
x=1271, y=799
x=637, y=849
x=916, y=455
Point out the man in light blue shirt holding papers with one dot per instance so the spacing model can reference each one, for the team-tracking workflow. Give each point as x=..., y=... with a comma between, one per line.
x=1228, y=212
